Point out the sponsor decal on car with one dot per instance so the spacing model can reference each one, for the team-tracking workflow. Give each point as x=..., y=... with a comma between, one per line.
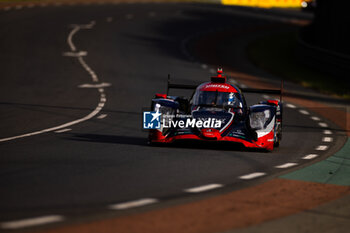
x=216, y=86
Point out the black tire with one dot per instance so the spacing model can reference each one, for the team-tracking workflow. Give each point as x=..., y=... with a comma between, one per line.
x=278, y=135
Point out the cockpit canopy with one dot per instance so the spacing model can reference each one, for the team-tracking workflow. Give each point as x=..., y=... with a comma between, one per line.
x=216, y=99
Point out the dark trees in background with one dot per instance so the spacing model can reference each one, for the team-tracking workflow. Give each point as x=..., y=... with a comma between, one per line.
x=331, y=27
x=325, y=44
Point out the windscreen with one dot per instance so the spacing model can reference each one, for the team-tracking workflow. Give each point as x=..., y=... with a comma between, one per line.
x=215, y=99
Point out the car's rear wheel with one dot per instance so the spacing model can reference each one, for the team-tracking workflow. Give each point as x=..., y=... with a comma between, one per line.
x=277, y=134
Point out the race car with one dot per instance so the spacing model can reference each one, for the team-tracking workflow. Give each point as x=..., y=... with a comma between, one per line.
x=217, y=111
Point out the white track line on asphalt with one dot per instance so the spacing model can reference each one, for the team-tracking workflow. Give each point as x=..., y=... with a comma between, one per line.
x=252, y=175
x=315, y=118
x=304, y=112
x=88, y=69
x=102, y=116
x=203, y=188
x=109, y=19
x=322, y=124
x=76, y=28
x=89, y=116
x=97, y=85
x=286, y=165
x=243, y=86
x=310, y=156
x=7, y=8
x=18, y=224
x=18, y=7
x=213, y=71
x=75, y=54
x=94, y=77
x=321, y=147
x=328, y=132
x=133, y=204
x=62, y=130
x=70, y=38
x=291, y=106
x=327, y=139
x=266, y=97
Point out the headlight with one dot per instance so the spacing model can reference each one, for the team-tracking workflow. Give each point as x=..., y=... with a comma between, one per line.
x=258, y=119
x=165, y=111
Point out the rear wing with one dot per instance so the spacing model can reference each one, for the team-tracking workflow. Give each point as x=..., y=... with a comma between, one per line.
x=266, y=91
x=179, y=86
x=244, y=90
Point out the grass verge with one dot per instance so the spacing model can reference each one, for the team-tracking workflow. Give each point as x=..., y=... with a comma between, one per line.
x=276, y=54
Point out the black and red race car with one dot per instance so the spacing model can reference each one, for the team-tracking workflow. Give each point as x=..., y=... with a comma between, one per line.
x=217, y=111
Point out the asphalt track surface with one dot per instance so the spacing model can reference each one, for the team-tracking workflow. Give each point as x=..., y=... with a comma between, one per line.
x=103, y=158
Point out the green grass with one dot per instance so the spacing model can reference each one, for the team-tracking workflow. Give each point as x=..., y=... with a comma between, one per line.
x=333, y=170
x=276, y=54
